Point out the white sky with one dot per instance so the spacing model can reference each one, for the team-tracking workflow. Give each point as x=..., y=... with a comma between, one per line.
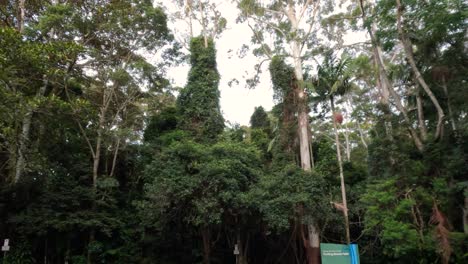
x=237, y=101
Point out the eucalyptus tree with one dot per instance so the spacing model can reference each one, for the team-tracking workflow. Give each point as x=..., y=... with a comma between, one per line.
x=385, y=83
x=290, y=26
x=202, y=17
x=408, y=48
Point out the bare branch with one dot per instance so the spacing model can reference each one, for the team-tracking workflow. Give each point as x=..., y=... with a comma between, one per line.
x=268, y=53
x=304, y=8
x=83, y=132
x=311, y=24
x=270, y=25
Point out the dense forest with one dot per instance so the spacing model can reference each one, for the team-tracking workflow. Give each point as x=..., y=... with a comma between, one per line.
x=104, y=160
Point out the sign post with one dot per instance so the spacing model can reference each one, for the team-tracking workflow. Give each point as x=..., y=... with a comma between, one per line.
x=5, y=248
x=339, y=254
x=236, y=252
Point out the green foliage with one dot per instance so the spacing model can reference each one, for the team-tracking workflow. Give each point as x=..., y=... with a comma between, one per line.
x=333, y=78
x=278, y=194
x=166, y=121
x=80, y=73
x=21, y=253
x=259, y=119
x=200, y=182
x=198, y=102
x=282, y=77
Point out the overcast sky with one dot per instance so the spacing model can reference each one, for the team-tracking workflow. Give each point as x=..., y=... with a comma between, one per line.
x=237, y=102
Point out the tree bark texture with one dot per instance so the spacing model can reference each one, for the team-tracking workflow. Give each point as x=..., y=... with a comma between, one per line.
x=421, y=120
x=20, y=15
x=386, y=82
x=409, y=55
x=312, y=248
x=24, y=139
x=449, y=105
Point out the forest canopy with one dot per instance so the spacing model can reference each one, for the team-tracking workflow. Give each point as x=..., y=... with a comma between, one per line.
x=104, y=159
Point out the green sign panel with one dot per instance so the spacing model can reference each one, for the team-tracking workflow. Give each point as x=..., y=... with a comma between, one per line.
x=339, y=254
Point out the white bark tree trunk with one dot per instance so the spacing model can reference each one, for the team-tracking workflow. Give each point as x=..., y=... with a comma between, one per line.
x=114, y=159
x=24, y=138
x=188, y=7
x=385, y=82
x=20, y=16
x=203, y=22
x=303, y=127
x=449, y=105
x=421, y=121
x=361, y=134
x=409, y=55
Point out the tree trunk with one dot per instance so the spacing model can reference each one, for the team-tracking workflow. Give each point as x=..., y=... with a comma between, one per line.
x=25, y=135
x=23, y=143
x=97, y=157
x=361, y=134
x=204, y=33
x=67, y=251
x=20, y=15
x=409, y=55
x=385, y=82
x=88, y=254
x=114, y=160
x=340, y=166
x=465, y=216
x=312, y=162
x=421, y=121
x=206, y=245
x=312, y=244
x=242, y=257
x=384, y=98
x=348, y=145
x=449, y=105
x=312, y=247
x=106, y=99
x=188, y=7
x=45, y=250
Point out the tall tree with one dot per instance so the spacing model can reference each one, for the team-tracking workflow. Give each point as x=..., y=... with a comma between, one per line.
x=384, y=79
x=259, y=119
x=198, y=102
x=290, y=24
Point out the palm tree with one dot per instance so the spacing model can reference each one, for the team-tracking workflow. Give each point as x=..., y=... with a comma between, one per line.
x=333, y=80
